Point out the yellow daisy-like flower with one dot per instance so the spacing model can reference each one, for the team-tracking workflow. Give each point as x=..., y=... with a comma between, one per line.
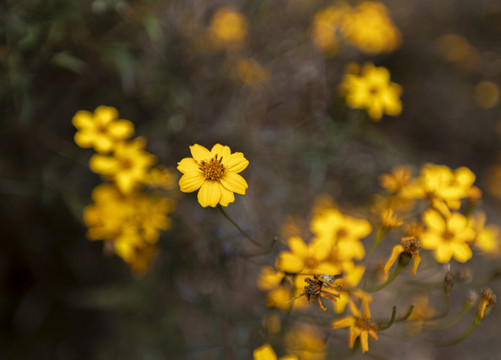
x=360, y=326
x=214, y=173
x=487, y=239
x=101, y=130
x=399, y=177
x=373, y=91
x=266, y=352
x=127, y=167
x=448, y=237
x=306, y=342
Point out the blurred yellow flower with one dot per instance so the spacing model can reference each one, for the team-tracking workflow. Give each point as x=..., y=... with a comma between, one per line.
x=130, y=223
x=373, y=91
x=306, y=258
x=280, y=289
x=369, y=28
x=487, y=239
x=228, y=26
x=266, y=352
x=127, y=167
x=395, y=181
x=214, y=173
x=306, y=343
x=102, y=129
x=439, y=184
x=448, y=237
x=162, y=178
x=341, y=233
x=250, y=72
x=325, y=25
x=360, y=326
x=420, y=313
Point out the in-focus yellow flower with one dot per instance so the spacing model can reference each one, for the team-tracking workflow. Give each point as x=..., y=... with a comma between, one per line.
x=409, y=249
x=448, y=237
x=228, y=26
x=127, y=167
x=373, y=91
x=214, y=173
x=360, y=326
x=101, y=129
x=266, y=352
x=369, y=28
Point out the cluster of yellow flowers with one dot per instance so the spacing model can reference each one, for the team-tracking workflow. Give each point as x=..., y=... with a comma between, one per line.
x=367, y=26
x=128, y=219
x=437, y=211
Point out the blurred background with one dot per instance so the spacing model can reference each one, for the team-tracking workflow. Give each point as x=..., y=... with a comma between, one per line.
x=263, y=85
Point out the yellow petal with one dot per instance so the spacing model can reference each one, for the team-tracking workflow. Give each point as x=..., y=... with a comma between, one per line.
x=188, y=165
x=430, y=240
x=234, y=182
x=226, y=196
x=235, y=162
x=265, y=352
x=354, y=333
x=82, y=119
x=364, y=341
x=103, y=144
x=102, y=164
x=222, y=151
x=200, y=153
x=209, y=193
x=443, y=253
x=417, y=260
x=191, y=182
x=462, y=252
x=84, y=139
x=297, y=245
x=351, y=249
x=121, y=129
x=457, y=222
x=434, y=220
x=105, y=114
x=347, y=321
x=289, y=262
x=397, y=250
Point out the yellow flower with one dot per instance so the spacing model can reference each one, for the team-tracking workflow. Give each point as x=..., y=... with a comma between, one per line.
x=266, y=352
x=409, y=249
x=250, y=72
x=161, y=178
x=390, y=220
x=127, y=167
x=369, y=27
x=325, y=25
x=360, y=326
x=487, y=239
x=448, y=237
x=310, y=259
x=228, y=26
x=420, y=313
x=341, y=233
x=215, y=173
x=306, y=343
x=439, y=184
x=399, y=177
x=101, y=130
x=373, y=91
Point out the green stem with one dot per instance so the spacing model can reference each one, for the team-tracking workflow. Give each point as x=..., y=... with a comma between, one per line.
x=239, y=228
x=392, y=320
x=466, y=308
x=381, y=233
x=397, y=271
x=406, y=316
x=468, y=331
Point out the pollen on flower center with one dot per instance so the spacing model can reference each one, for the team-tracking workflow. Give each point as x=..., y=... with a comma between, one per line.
x=213, y=169
x=125, y=162
x=447, y=235
x=341, y=233
x=373, y=90
x=411, y=246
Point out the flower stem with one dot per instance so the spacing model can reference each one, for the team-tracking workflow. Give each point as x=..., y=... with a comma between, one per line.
x=468, y=331
x=239, y=228
x=381, y=233
x=397, y=271
x=389, y=323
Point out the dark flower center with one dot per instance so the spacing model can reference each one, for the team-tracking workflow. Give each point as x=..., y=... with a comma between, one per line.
x=213, y=169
